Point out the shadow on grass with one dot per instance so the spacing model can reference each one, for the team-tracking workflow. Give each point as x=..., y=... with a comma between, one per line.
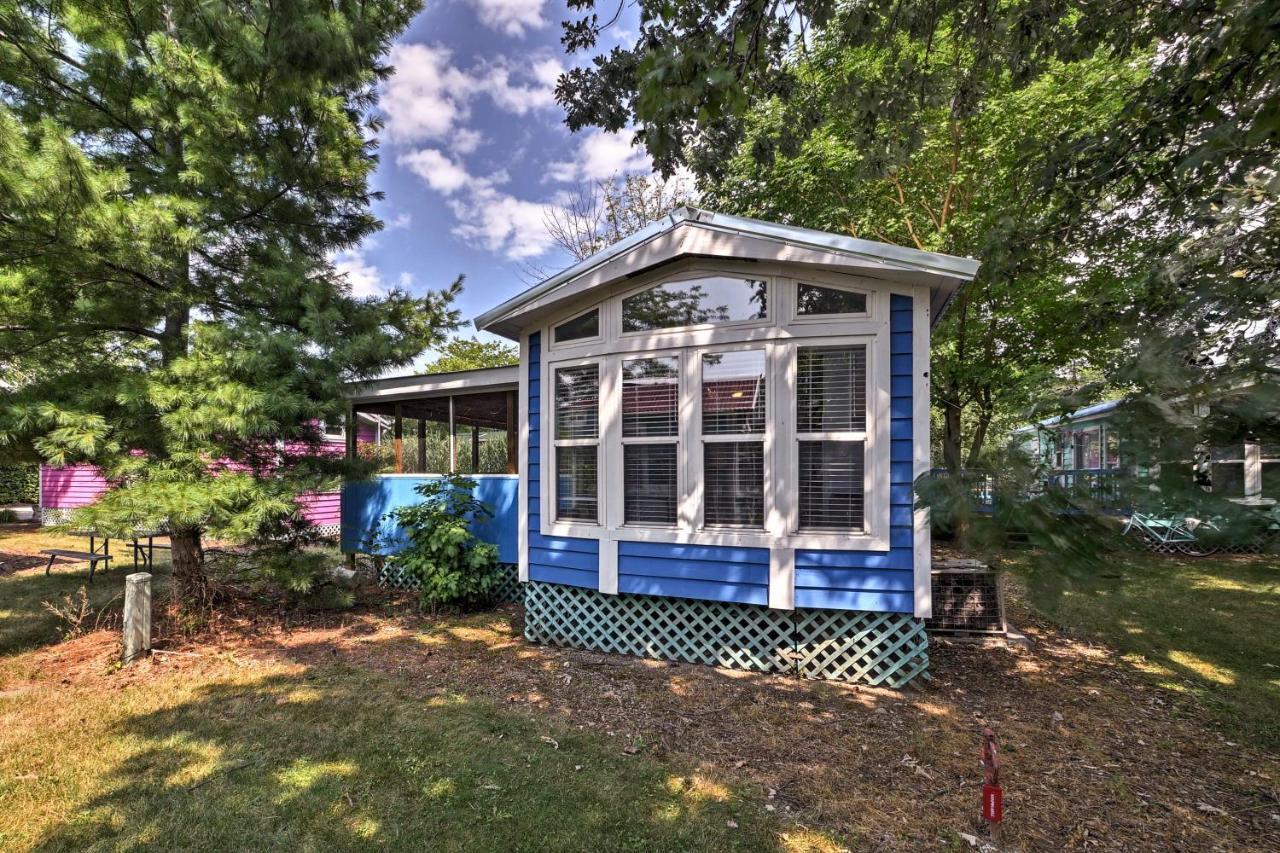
x=1207, y=626
x=339, y=758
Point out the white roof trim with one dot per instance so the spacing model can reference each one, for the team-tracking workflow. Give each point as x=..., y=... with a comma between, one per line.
x=435, y=384
x=832, y=248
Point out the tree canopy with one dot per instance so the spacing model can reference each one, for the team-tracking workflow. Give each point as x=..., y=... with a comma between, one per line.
x=173, y=179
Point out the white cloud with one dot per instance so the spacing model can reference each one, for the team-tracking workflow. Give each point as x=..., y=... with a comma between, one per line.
x=538, y=92
x=402, y=220
x=426, y=97
x=362, y=276
x=510, y=17
x=443, y=175
x=601, y=155
x=429, y=99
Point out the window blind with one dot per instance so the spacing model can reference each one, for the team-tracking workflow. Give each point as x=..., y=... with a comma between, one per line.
x=733, y=392
x=650, y=397
x=576, y=483
x=649, y=471
x=831, y=485
x=578, y=402
x=831, y=389
x=733, y=484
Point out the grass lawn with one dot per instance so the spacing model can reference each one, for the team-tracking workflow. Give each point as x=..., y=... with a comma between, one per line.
x=1209, y=627
x=379, y=727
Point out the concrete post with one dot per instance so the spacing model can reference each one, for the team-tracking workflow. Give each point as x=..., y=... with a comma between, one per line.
x=137, y=615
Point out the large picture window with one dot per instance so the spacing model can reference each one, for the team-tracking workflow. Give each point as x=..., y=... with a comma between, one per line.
x=734, y=411
x=831, y=431
x=650, y=426
x=696, y=302
x=577, y=439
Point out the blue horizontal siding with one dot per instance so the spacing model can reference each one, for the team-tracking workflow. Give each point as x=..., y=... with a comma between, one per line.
x=568, y=577
x=656, y=567
x=706, y=590
x=844, y=599
x=866, y=580
x=724, y=553
x=891, y=559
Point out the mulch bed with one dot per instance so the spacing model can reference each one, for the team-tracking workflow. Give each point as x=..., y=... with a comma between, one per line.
x=10, y=563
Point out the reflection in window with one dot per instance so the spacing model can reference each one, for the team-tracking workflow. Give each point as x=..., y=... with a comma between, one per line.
x=650, y=397
x=733, y=392
x=811, y=299
x=580, y=328
x=696, y=302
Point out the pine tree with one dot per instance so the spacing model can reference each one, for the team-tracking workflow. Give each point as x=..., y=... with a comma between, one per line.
x=173, y=178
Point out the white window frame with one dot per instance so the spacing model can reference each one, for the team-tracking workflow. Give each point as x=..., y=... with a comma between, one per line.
x=550, y=479
x=779, y=337
x=862, y=435
x=795, y=317
x=601, y=334
x=618, y=462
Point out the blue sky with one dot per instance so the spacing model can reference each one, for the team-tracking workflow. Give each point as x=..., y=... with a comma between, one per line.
x=474, y=149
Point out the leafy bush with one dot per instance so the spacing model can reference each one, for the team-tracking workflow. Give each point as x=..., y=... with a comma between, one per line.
x=19, y=484
x=435, y=545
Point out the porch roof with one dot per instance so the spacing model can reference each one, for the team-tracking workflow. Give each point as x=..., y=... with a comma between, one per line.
x=691, y=232
x=435, y=385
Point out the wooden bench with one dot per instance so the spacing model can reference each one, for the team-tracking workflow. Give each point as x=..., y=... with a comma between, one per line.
x=92, y=558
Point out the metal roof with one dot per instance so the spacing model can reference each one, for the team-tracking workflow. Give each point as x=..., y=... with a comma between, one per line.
x=1078, y=415
x=435, y=384
x=954, y=270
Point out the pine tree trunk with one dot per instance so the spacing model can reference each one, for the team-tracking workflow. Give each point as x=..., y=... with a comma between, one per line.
x=189, y=580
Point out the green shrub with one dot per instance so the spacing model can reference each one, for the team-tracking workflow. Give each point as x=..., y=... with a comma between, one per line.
x=19, y=484
x=8, y=516
x=438, y=548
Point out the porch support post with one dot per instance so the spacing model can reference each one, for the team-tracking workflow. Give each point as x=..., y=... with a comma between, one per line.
x=453, y=440
x=422, y=445
x=512, y=434
x=475, y=449
x=399, y=440
x=1252, y=469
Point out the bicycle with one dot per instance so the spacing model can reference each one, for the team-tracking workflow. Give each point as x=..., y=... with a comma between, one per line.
x=1178, y=532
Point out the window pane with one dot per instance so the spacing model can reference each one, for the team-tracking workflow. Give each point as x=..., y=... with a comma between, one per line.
x=715, y=299
x=831, y=389
x=649, y=471
x=811, y=299
x=1271, y=480
x=831, y=485
x=733, y=484
x=1227, y=479
x=576, y=483
x=733, y=392
x=579, y=328
x=650, y=397
x=578, y=402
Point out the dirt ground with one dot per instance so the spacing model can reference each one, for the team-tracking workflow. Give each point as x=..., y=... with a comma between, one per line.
x=1093, y=754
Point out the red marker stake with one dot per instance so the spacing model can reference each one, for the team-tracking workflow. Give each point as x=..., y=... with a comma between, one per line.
x=992, y=796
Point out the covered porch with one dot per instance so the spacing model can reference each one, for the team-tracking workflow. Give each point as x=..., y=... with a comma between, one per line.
x=416, y=428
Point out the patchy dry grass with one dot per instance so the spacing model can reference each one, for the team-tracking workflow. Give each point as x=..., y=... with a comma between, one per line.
x=384, y=728
x=1207, y=628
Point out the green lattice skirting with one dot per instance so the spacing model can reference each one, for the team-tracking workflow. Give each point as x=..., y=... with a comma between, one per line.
x=509, y=589
x=884, y=649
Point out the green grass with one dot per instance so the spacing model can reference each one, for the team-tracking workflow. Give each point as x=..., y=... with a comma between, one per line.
x=227, y=752
x=24, y=622
x=1208, y=627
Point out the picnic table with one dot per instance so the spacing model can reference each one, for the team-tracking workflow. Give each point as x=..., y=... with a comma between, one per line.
x=142, y=553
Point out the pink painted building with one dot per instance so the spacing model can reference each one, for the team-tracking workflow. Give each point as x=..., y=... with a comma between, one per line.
x=63, y=489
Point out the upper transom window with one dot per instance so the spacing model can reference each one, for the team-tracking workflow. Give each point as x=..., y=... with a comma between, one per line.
x=812, y=300
x=580, y=328
x=696, y=302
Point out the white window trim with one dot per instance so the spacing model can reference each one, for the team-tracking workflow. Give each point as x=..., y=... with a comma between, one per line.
x=693, y=274
x=847, y=284
x=601, y=326
x=616, y=459
x=866, y=436
x=551, y=524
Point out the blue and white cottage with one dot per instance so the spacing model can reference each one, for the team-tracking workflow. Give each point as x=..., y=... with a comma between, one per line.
x=708, y=449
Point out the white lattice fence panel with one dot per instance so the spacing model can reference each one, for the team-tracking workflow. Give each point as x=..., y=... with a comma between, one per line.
x=708, y=632
x=508, y=590
x=885, y=649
